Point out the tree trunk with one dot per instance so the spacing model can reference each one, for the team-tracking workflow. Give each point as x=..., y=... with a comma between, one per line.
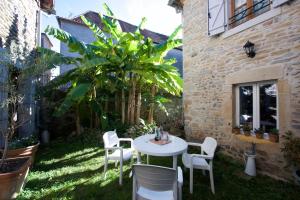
x=4, y=151
x=77, y=120
x=151, y=109
x=97, y=120
x=129, y=105
x=91, y=117
x=132, y=110
x=123, y=106
x=116, y=102
x=106, y=105
x=138, y=104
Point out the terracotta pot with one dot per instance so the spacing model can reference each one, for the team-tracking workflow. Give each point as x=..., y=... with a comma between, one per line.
x=273, y=137
x=236, y=131
x=13, y=182
x=23, y=152
x=259, y=135
x=247, y=133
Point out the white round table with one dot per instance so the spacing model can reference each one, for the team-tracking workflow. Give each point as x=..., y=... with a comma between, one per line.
x=176, y=147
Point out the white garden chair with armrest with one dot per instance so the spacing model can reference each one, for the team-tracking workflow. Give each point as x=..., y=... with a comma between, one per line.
x=112, y=144
x=202, y=161
x=156, y=183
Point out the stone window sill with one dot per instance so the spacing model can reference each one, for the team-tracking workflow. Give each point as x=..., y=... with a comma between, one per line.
x=253, y=139
x=257, y=20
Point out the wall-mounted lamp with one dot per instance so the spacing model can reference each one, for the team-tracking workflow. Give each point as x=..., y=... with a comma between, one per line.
x=249, y=49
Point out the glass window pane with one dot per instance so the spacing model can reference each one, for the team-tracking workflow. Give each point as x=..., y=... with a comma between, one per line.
x=268, y=106
x=260, y=6
x=238, y=3
x=240, y=14
x=246, y=105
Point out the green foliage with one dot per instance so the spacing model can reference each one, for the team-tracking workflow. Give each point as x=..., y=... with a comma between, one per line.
x=246, y=127
x=110, y=61
x=140, y=129
x=76, y=94
x=291, y=149
x=23, y=142
x=274, y=131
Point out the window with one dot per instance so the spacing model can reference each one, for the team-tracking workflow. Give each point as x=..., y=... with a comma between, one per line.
x=256, y=105
x=244, y=10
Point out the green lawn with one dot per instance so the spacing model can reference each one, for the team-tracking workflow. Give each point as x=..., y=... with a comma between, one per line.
x=73, y=170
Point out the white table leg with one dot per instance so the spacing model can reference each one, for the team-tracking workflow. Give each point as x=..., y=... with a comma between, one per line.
x=139, y=158
x=175, y=162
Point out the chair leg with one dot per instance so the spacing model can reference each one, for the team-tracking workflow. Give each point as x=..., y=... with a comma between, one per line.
x=191, y=180
x=121, y=172
x=180, y=192
x=212, y=185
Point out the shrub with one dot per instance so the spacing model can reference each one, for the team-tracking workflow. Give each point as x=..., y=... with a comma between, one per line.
x=140, y=129
x=291, y=149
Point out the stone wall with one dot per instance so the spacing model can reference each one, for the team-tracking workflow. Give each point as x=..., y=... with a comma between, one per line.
x=213, y=65
x=19, y=34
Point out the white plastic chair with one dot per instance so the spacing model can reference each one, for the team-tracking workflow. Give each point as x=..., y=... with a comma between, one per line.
x=112, y=144
x=202, y=161
x=156, y=183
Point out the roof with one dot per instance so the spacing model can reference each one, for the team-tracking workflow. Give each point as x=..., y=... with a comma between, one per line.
x=177, y=4
x=47, y=6
x=126, y=27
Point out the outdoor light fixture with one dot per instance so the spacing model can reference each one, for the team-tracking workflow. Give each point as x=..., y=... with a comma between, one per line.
x=249, y=49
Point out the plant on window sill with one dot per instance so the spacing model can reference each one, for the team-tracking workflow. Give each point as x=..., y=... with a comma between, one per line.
x=247, y=130
x=274, y=135
x=259, y=133
x=236, y=130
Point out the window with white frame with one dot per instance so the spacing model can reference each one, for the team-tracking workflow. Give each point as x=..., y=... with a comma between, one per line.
x=257, y=105
x=227, y=14
x=244, y=10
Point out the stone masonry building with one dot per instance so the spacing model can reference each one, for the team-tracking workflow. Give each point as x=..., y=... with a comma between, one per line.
x=224, y=88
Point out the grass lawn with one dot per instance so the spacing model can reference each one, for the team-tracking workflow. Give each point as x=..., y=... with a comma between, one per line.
x=74, y=170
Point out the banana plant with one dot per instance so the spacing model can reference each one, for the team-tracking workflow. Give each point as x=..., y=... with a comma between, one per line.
x=116, y=62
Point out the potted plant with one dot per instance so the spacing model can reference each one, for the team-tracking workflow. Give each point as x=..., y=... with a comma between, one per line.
x=291, y=152
x=236, y=130
x=247, y=130
x=23, y=147
x=13, y=171
x=274, y=135
x=259, y=133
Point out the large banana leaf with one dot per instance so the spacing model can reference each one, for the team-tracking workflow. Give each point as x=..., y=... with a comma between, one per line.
x=75, y=95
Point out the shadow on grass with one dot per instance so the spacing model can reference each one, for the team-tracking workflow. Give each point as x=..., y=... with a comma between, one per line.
x=58, y=149
x=71, y=161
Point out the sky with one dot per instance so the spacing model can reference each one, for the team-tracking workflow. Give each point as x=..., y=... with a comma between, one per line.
x=161, y=18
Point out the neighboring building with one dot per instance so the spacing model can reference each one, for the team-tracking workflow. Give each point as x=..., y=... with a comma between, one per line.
x=78, y=29
x=19, y=33
x=46, y=43
x=223, y=87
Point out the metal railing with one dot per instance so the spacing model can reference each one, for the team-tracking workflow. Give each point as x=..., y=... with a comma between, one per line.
x=249, y=11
